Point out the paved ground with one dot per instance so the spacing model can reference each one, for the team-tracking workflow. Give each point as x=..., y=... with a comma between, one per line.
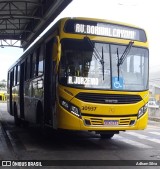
x=21, y=143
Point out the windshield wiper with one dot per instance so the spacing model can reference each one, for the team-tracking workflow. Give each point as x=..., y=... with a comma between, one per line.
x=124, y=55
x=97, y=54
x=118, y=63
x=102, y=62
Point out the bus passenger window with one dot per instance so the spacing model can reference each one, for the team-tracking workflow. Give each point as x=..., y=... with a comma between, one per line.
x=41, y=60
x=8, y=79
x=37, y=61
x=25, y=72
x=33, y=64
x=15, y=76
x=28, y=68
x=18, y=73
x=12, y=77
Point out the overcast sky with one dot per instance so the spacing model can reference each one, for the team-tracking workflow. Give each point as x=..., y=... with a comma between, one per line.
x=143, y=13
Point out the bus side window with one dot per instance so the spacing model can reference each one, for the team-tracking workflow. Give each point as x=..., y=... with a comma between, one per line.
x=8, y=79
x=37, y=61
x=12, y=77
x=41, y=61
x=25, y=74
x=28, y=68
x=15, y=75
x=32, y=64
x=18, y=73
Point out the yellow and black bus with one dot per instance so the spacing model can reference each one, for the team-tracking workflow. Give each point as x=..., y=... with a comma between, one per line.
x=83, y=74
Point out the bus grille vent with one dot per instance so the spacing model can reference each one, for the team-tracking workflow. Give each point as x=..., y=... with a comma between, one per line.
x=108, y=98
x=124, y=122
x=95, y=121
x=98, y=121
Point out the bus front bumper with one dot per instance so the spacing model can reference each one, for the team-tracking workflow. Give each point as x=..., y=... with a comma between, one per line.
x=66, y=120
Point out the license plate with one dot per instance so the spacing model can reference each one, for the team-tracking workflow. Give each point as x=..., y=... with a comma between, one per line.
x=111, y=122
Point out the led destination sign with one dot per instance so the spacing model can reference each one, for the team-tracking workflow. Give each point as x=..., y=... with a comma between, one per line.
x=108, y=30
x=105, y=29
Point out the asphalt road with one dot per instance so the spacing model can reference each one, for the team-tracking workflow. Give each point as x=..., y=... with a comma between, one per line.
x=78, y=149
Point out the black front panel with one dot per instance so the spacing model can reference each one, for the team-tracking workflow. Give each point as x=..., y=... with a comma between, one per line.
x=108, y=98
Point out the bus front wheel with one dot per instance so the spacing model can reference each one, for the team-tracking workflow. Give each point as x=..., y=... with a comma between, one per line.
x=106, y=136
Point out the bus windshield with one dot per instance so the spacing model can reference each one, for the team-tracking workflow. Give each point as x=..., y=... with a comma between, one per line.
x=80, y=67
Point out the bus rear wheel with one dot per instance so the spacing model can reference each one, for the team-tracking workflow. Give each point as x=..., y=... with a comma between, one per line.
x=106, y=136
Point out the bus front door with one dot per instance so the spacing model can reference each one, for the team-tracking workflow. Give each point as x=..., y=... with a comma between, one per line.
x=48, y=97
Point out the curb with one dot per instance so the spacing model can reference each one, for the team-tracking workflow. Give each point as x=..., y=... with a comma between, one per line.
x=154, y=119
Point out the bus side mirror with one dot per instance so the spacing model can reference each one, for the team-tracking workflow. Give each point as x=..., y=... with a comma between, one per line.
x=56, y=51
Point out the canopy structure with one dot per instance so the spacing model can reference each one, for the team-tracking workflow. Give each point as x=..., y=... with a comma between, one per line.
x=21, y=21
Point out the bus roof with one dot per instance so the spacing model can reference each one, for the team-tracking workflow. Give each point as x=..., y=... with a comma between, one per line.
x=102, y=20
x=64, y=20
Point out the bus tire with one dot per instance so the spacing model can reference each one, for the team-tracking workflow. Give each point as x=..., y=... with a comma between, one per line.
x=17, y=121
x=106, y=136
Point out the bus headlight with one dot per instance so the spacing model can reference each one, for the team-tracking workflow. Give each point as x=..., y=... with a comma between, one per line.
x=64, y=104
x=142, y=110
x=74, y=110
x=70, y=107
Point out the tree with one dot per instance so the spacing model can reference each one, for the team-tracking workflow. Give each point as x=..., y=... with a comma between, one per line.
x=2, y=85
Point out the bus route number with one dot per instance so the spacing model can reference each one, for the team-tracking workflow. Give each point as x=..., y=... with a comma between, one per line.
x=89, y=108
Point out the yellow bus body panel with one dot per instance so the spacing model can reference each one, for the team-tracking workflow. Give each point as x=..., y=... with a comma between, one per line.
x=124, y=113
x=68, y=121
